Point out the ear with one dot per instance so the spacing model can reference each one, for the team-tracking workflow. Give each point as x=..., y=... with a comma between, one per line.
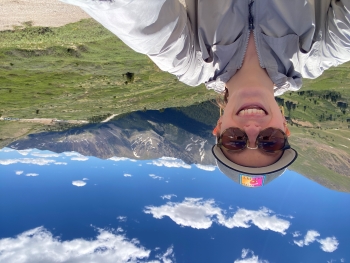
x=217, y=128
x=286, y=130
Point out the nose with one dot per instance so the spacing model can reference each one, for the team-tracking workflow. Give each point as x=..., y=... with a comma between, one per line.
x=252, y=131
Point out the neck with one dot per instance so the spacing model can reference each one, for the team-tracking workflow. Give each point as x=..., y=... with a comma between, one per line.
x=250, y=74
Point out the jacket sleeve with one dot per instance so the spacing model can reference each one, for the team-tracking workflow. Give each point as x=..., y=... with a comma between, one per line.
x=157, y=28
x=333, y=48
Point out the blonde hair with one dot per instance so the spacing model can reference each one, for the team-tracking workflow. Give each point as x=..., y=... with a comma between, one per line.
x=221, y=99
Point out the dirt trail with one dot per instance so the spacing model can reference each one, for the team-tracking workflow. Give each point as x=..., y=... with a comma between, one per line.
x=109, y=118
x=52, y=13
x=46, y=121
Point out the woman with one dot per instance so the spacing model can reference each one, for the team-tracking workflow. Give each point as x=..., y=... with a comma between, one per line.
x=250, y=51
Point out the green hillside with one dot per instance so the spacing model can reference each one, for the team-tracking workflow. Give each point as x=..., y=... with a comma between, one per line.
x=79, y=71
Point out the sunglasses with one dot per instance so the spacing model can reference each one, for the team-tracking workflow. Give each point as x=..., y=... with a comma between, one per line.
x=269, y=140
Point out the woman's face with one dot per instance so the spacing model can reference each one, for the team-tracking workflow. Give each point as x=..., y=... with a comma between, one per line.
x=252, y=110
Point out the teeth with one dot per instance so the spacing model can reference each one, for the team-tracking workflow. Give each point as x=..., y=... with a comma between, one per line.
x=251, y=112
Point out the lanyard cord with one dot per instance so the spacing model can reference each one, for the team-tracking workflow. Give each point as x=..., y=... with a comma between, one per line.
x=251, y=18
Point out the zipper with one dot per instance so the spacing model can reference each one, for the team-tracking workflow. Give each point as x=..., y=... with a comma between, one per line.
x=257, y=50
x=251, y=17
x=245, y=50
x=252, y=28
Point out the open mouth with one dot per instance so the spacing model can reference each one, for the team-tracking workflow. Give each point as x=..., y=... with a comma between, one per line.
x=252, y=110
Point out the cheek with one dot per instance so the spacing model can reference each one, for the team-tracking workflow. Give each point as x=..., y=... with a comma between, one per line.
x=227, y=124
x=227, y=121
x=277, y=122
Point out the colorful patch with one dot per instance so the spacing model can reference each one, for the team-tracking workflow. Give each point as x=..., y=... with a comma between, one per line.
x=252, y=180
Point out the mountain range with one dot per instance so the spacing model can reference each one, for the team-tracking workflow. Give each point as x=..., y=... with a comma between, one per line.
x=138, y=135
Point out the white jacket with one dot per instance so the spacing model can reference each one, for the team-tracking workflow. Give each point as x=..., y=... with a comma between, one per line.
x=206, y=42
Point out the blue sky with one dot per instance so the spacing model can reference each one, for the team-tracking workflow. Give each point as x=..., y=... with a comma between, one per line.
x=90, y=210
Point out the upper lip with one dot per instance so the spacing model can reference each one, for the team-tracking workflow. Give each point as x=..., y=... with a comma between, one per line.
x=252, y=106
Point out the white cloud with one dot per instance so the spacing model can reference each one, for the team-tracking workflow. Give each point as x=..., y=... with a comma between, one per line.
x=45, y=155
x=310, y=237
x=85, y=179
x=127, y=175
x=168, y=256
x=296, y=234
x=200, y=214
x=192, y=212
x=329, y=244
x=19, y=172
x=153, y=176
x=6, y=150
x=263, y=218
x=37, y=161
x=32, y=174
x=79, y=183
x=171, y=163
x=72, y=154
x=299, y=243
x=80, y=158
x=122, y=218
x=118, y=159
x=60, y=163
x=342, y=260
x=24, y=152
x=209, y=168
x=251, y=259
x=39, y=245
x=168, y=196
x=245, y=252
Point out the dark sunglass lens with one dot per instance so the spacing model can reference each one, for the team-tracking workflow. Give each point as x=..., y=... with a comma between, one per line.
x=271, y=140
x=234, y=139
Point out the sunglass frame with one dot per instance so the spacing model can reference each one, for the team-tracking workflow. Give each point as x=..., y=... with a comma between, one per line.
x=286, y=145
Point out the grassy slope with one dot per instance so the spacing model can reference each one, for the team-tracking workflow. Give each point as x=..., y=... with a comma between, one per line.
x=10, y=131
x=324, y=149
x=324, y=156
x=333, y=80
x=76, y=71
